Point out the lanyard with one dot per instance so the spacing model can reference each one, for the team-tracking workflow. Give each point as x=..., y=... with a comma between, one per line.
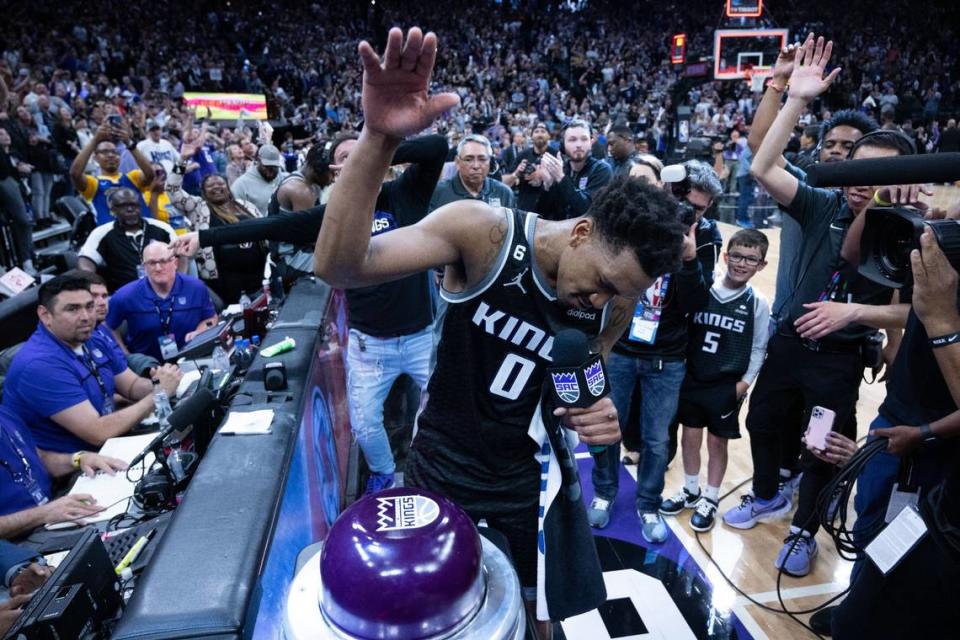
x=90, y=365
x=25, y=477
x=164, y=315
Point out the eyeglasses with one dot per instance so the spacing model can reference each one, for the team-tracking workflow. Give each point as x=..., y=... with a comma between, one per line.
x=737, y=258
x=481, y=160
x=156, y=264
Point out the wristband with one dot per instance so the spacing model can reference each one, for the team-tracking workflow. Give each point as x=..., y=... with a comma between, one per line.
x=880, y=201
x=772, y=85
x=926, y=434
x=945, y=341
x=76, y=458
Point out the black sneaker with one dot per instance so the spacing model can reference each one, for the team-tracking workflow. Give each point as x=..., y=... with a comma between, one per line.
x=704, y=515
x=682, y=500
x=821, y=620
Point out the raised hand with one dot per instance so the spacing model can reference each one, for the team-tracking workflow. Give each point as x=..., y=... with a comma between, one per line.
x=395, y=100
x=807, y=80
x=783, y=67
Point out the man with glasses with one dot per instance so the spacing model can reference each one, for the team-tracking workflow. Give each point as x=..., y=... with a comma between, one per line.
x=103, y=148
x=115, y=248
x=651, y=355
x=164, y=309
x=471, y=181
x=63, y=381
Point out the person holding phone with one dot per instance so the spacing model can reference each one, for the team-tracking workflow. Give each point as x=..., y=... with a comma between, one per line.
x=105, y=150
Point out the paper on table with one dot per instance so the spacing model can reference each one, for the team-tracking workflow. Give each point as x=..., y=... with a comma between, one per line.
x=248, y=422
x=113, y=492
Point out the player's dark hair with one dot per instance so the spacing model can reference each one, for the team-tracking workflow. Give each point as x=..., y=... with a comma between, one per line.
x=749, y=239
x=859, y=121
x=630, y=212
x=49, y=290
x=812, y=132
x=318, y=159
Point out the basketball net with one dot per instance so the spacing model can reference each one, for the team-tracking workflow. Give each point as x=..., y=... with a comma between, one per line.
x=756, y=78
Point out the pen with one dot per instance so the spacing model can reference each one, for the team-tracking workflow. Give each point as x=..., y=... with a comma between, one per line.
x=134, y=552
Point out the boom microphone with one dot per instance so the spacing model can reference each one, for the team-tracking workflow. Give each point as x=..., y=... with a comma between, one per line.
x=915, y=169
x=576, y=379
x=186, y=413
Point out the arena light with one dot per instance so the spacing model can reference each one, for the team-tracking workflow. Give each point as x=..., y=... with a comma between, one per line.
x=678, y=52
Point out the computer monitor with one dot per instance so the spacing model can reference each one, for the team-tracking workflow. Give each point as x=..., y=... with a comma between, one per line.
x=82, y=593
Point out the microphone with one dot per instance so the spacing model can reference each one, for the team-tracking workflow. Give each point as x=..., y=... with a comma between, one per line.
x=186, y=413
x=916, y=169
x=577, y=380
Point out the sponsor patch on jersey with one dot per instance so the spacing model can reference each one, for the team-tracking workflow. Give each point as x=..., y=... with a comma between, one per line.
x=596, y=382
x=566, y=386
x=742, y=309
x=581, y=314
x=383, y=222
x=397, y=513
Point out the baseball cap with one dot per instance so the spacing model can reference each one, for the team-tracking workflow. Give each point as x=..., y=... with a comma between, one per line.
x=269, y=156
x=152, y=124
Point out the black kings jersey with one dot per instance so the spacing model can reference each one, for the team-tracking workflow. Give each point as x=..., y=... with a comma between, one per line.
x=721, y=337
x=491, y=362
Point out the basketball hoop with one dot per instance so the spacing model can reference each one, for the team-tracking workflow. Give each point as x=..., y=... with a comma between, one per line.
x=755, y=78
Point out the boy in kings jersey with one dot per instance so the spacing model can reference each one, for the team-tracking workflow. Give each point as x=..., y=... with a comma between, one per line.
x=512, y=280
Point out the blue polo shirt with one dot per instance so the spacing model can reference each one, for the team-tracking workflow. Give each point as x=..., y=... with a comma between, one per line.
x=24, y=481
x=46, y=377
x=146, y=313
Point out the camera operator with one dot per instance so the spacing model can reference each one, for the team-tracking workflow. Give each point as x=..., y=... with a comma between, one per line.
x=803, y=369
x=571, y=185
x=923, y=394
x=526, y=177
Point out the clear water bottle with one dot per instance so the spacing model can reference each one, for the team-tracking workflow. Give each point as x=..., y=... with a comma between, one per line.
x=244, y=300
x=256, y=344
x=220, y=360
x=266, y=290
x=161, y=403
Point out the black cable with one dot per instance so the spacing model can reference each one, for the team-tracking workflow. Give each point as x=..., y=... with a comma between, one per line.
x=841, y=486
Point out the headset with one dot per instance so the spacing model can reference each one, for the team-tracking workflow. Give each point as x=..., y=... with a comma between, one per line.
x=893, y=138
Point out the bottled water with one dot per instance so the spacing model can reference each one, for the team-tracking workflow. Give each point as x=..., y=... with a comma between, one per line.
x=221, y=362
x=161, y=403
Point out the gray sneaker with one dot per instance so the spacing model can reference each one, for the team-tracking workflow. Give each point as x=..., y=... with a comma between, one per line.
x=598, y=515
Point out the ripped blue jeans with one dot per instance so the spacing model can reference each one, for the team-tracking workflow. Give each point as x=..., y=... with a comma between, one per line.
x=373, y=364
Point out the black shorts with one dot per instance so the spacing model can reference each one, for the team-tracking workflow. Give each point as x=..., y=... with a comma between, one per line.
x=713, y=405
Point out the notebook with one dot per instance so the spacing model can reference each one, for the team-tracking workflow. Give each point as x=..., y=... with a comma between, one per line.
x=113, y=492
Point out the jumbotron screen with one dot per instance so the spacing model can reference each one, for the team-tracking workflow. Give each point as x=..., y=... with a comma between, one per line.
x=228, y=106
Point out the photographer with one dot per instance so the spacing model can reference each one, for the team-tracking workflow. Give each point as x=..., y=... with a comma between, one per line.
x=923, y=393
x=527, y=178
x=570, y=185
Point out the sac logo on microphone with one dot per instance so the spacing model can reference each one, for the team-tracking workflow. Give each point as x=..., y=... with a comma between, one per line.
x=565, y=384
x=397, y=513
x=596, y=381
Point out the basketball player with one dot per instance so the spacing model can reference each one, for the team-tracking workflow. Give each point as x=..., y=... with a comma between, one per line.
x=512, y=280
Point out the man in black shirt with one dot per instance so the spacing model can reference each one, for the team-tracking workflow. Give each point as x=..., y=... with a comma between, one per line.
x=805, y=367
x=571, y=184
x=390, y=324
x=116, y=248
x=620, y=144
x=652, y=355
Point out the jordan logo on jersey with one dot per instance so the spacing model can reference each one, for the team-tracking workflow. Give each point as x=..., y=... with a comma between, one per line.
x=516, y=282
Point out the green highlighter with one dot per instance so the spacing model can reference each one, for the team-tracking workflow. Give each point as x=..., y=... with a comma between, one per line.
x=287, y=344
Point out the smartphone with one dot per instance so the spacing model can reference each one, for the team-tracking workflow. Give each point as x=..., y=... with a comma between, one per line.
x=115, y=120
x=821, y=423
